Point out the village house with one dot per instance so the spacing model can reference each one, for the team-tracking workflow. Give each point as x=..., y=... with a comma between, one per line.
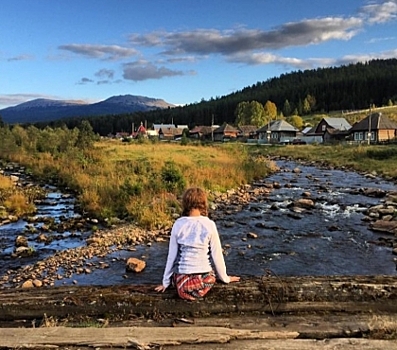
x=202, y=132
x=140, y=132
x=375, y=128
x=328, y=130
x=247, y=132
x=277, y=131
x=225, y=132
x=170, y=133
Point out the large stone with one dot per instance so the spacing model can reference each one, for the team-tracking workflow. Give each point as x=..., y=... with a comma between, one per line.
x=21, y=241
x=384, y=226
x=304, y=203
x=135, y=265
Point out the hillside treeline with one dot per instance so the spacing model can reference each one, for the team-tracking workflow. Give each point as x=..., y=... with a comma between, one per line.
x=322, y=90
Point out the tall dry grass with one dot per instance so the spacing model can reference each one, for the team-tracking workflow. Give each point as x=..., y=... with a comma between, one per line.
x=141, y=181
x=12, y=199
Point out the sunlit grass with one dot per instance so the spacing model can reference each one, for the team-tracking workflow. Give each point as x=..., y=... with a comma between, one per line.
x=366, y=158
x=126, y=180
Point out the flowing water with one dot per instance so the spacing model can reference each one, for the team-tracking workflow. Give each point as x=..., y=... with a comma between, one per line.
x=329, y=239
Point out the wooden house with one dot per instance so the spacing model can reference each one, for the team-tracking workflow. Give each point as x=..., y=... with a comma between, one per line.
x=225, y=132
x=277, y=131
x=374, y=128
x=168, y=133
x=330, y=130
x=247, y=132
x=202, y=132
x=335, y=135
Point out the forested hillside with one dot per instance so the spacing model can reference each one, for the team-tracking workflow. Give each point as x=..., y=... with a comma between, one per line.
x=350, y=87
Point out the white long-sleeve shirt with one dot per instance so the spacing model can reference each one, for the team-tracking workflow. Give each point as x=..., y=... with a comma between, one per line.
x=193, y=243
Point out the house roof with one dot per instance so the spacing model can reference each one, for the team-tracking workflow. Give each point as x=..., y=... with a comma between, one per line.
x=247, y=129
x=374, y=121
x=337, y=123
x=335, y=132
x=201, y=130
x=225, y=128
x=161, y=126
x=171, y=131
x=277, y=125
x=307, y=130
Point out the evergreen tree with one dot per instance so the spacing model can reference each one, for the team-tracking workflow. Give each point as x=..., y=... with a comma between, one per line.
x=287, y=108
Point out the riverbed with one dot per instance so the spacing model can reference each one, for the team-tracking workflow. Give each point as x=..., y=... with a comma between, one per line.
x=262, y=237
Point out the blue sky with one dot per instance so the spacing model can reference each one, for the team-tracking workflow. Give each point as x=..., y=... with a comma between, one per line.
x=181, y=51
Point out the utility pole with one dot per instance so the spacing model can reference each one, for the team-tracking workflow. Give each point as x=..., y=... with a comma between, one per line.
x=369, y=125
x=212, y=128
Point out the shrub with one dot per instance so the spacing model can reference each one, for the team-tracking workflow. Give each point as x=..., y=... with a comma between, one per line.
x=382, y=154
x=18, y=204
x=172, y=178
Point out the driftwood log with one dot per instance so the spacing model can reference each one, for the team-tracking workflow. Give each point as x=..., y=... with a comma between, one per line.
x=266, y=295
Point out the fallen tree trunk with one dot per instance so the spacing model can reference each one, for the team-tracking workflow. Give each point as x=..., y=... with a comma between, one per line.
x=273, y=295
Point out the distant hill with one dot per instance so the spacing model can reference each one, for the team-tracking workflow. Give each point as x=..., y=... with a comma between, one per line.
x=44, y=110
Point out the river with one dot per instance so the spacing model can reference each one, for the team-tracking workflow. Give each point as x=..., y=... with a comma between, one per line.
x=262, y=238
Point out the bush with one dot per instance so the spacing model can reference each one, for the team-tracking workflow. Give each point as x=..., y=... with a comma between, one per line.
x=172, y=178
x=19, y=205
x=382, y=154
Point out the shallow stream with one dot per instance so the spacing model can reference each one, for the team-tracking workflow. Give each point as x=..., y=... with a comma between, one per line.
x=329, y=239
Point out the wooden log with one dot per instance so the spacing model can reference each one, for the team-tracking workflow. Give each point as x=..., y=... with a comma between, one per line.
x=242, y=332
x=272, y=295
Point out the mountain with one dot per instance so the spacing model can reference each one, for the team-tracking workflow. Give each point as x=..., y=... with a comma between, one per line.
x=44, y=110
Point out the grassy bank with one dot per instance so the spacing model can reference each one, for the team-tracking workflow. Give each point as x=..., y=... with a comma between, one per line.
x=381, y=159
x=140, y=181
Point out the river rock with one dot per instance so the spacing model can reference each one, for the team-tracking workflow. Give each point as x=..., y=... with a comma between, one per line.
x=37, y=283
x=28, y=284
x=252, y=235
x=297, y=171
x=374, y=192
x=21, y=241
x=304, y=203
x=14, y=178
x=135, y=265
x=384, y=226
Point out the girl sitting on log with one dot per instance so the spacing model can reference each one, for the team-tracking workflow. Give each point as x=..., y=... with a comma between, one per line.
x=194, y=243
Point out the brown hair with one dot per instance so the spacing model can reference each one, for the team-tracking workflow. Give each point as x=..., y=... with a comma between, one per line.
x=194, y=198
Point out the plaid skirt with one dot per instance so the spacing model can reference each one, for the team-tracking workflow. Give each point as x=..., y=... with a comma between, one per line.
x=190, y=287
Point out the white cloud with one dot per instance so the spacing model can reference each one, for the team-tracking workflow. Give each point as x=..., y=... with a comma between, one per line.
x=107, y=52
x=381, y=12
x=229, y=42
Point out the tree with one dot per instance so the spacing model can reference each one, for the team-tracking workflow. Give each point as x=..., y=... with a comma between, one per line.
x=306, y=106
x=296, y=121
x=270, y=110
x=287, y=108
x=258, y=116
x=241, y=113
x=250, y=113
x=86, y=136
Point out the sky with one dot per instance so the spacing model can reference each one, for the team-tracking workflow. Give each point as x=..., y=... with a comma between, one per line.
x=181, y=51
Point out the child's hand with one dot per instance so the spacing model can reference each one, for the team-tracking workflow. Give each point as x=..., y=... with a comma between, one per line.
x=160, y=288
x=234, y=279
